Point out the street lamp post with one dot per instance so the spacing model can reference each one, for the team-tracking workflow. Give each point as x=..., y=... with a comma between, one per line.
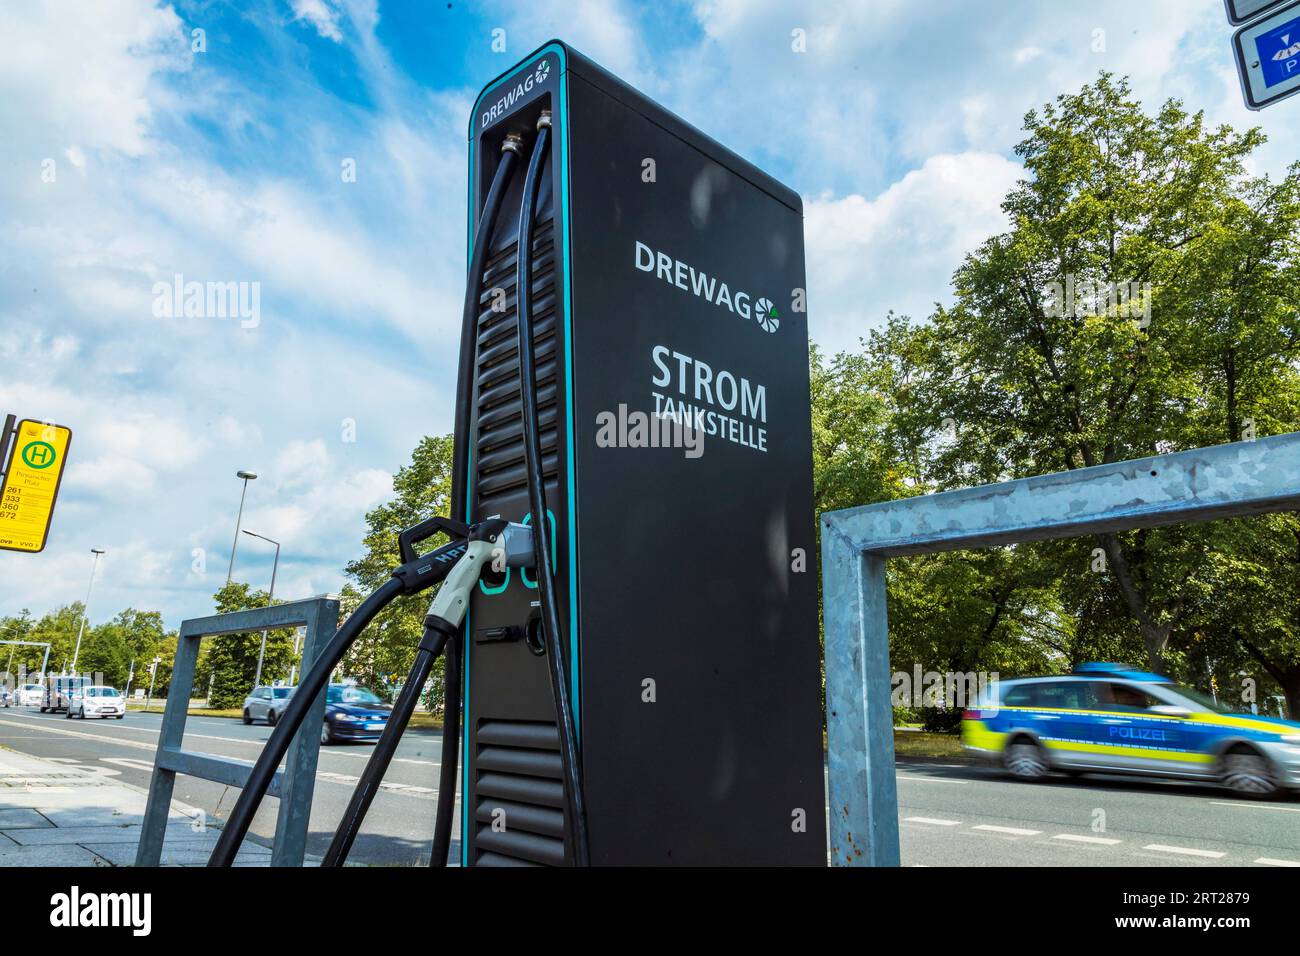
x=275, y=565
x=85, y=608
x=247, y=476
x=153, y=672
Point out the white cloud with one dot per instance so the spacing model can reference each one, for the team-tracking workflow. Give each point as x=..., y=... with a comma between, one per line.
x=898, y=251
x=899, y=123
x=85, y=77
x=320, y=14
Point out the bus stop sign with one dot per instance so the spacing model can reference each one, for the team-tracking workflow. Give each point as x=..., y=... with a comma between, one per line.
x=31, y=484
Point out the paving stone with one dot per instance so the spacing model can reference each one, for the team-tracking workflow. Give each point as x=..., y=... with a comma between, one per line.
x=49, y=856
x=14, y=818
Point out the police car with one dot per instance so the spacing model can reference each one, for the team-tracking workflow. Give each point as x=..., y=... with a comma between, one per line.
x=1109, y=718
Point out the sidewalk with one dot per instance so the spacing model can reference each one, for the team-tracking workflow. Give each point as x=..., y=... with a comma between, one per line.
x=55, y=815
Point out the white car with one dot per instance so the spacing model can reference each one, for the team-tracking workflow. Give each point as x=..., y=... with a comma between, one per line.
x=96, y=700
x=29, y=695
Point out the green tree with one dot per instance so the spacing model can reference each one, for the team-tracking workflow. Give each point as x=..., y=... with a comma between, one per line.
x=1118, y=199
x=384, y=653
x=1202, y=347
x=230, y=664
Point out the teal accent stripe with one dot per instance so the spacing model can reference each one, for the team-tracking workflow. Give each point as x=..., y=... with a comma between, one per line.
x=560, y=126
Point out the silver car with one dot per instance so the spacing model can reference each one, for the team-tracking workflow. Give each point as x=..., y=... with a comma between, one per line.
x=266, y=703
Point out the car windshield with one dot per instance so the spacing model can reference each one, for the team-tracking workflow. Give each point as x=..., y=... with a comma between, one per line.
x=352, y=695
x=31, y=687
x=1198, y=697
x=100, y=692
x=280, y=693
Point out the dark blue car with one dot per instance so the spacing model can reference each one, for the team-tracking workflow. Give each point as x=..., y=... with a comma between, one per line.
x=353, y=713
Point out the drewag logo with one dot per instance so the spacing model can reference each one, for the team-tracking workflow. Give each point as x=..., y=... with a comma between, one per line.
x=516, y=93
x=702, y=285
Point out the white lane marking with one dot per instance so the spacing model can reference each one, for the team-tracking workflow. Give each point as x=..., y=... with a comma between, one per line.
x=1252, y=806
x=1185, y=851
x=908, y=776
x=1013, y=831
x=129, y=762
x=258, y=742
x=1269, y=861
x=1079, y=838
x=933, y=821
x=77, y=733
x=326, y=775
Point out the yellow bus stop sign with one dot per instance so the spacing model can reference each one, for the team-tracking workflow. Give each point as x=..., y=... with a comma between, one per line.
x=31, y=484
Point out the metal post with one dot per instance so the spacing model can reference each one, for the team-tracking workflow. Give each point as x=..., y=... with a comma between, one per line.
x=270, y=597
x=85, y=608
x=129, y=677
x=247, y=476
x=6, y=436
x=860, y=720
x=154, y=825
x=296, y=793
x=148, y=698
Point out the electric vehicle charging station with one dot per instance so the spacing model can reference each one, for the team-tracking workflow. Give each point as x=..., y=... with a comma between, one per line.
x=638, y=673
x=672, y=569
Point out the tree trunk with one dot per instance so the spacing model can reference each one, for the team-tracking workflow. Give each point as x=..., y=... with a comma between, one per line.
x=1154, y=636
x=1291, y=691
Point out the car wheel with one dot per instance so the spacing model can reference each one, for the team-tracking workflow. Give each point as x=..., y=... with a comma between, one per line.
x=271, y=718
x=1025, y=760
x=326, y=735
x=1248, y=773
x=248, y=718
x=68, y=713
x=43, y=709
x=119, y=716
x=82, y=713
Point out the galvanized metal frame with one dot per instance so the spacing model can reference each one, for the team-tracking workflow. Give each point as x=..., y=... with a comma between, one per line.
x=45, y=660
x=1224, y=481
x=294, y=785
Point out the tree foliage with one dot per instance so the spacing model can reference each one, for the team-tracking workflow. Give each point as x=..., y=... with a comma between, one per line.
x=383, y=655
x=1012, y=381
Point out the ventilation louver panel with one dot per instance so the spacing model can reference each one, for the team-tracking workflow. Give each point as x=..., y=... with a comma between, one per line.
x=519, y=815
x=499, y=445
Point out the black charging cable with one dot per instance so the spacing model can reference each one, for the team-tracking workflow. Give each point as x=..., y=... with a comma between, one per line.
x=462, y=422
x=406, y=579
x=311, y=684
x=441, y=625
x=570, y=758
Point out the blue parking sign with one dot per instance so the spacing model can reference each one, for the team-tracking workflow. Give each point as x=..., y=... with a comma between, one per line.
x=1267, y=51
x=1279, y=52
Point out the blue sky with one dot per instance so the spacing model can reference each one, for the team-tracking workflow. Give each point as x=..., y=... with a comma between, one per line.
x=897, y=125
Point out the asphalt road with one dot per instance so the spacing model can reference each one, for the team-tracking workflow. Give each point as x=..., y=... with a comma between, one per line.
x=398, y=828
x=972, y=815
x=949, y=814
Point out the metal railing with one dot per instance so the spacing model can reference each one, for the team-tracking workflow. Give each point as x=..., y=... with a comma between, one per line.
x=1224, y=481
x=294, y=785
